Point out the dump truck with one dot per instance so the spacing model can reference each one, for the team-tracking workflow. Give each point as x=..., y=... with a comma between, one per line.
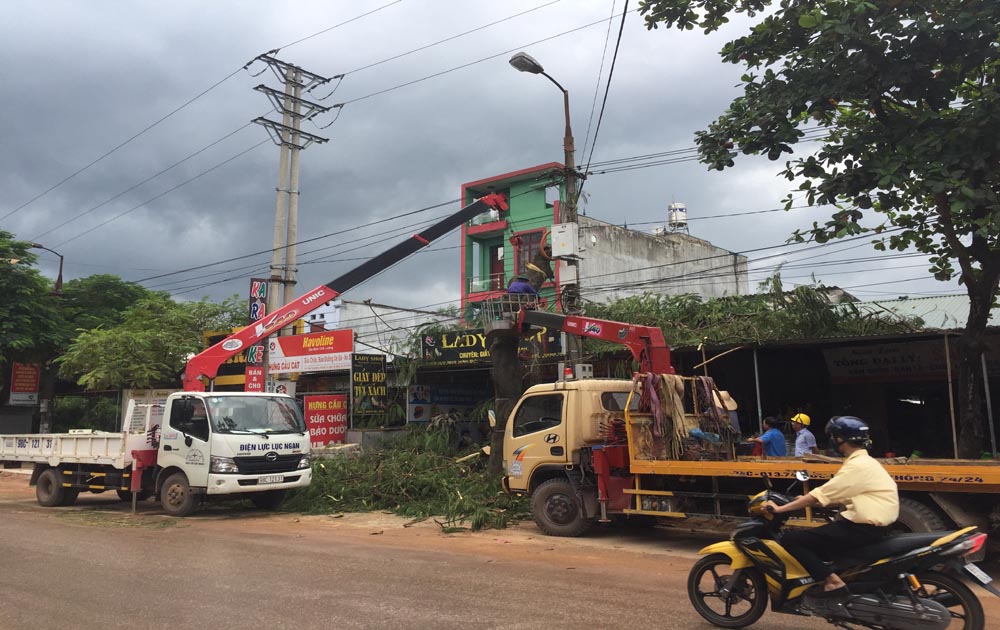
x=202, y=444
x=661, y=445
x=195, y=446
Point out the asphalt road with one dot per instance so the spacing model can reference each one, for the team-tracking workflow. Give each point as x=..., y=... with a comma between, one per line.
x=95, y=565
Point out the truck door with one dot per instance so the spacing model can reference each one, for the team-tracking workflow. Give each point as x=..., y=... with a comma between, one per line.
x=538, y=434
x=184, y=439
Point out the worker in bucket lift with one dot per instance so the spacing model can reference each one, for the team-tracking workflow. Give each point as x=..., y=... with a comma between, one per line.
x=521, y=285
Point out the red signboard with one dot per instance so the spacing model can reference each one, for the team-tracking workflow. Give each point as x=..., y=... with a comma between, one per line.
x=254, y=378
x=24, y=383
x=326, y=418
x=254, y=372
x=315, y=352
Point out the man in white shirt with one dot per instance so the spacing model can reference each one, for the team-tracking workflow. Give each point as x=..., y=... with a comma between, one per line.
x=805, y=441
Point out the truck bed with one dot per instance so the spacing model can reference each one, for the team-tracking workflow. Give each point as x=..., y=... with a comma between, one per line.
x=90, y=447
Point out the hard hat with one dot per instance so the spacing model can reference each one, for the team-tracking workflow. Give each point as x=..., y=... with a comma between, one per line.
x=802, y=419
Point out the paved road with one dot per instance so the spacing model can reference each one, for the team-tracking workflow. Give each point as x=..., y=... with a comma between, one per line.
x=97, y=566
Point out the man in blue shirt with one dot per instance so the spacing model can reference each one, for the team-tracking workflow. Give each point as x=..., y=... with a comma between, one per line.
x=772, y=439
x=521, y=285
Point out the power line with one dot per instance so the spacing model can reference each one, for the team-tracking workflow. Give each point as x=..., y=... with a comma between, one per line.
x=328, y=29
x=164, y=193
x=600, y=73
x=471, y=63
x=453, y=37
x=148, y=179
x=607, y=89
x=170, y=114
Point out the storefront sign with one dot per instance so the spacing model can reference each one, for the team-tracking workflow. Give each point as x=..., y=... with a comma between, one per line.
x=468, y=347
x=257, y=305
x=326, y=418
x=315, y=352
x=916, y=360
x=369, y=392
x=24, y=384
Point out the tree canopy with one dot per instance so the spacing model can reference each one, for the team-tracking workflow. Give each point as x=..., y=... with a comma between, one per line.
x=31, y=323
x=151, y=344
x=901, y=97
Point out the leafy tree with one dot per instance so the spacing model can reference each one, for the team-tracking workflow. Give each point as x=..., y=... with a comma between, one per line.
x=905, y=94
x=31, y=323
x=771, y=315
x=99, y=300
x=151, y=344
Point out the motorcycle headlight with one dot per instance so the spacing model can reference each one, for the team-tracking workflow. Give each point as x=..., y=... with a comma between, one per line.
x=305, y=461
x=223, y=465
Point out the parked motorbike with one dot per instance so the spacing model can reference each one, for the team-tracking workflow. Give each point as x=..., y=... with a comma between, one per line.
x=905, y=582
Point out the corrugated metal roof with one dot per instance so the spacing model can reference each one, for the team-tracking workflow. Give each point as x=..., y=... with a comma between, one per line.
x=945, y=312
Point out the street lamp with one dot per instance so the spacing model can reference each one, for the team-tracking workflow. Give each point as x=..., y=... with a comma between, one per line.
x=526, y=63
x=58, y=288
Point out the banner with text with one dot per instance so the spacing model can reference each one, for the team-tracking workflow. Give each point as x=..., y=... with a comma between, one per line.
x=326, y=419
x=24, y=384
x=369, y=391
x=315, y=352
x=468, y=347
x=257, y=305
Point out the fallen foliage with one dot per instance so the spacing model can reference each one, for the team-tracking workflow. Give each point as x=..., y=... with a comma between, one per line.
x=414, y=476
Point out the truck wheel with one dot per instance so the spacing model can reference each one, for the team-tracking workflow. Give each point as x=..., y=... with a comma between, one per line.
x=176, y=496
x=557, y=509
x=270, y=500
x=69, y=496
x=125, y=495
x=49, y=489
x=917, y=517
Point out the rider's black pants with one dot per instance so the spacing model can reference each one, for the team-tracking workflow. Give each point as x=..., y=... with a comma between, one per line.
x=812, y=545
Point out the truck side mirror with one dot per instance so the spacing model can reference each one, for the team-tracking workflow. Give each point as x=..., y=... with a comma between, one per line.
x=493, y=418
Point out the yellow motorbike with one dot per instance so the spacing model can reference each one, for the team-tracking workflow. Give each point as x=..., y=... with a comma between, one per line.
x=905, y=582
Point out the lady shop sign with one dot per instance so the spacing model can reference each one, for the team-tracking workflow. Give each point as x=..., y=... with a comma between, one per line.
x=326, y=419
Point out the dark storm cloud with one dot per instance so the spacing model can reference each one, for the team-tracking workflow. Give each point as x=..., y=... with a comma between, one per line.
x=89, y=76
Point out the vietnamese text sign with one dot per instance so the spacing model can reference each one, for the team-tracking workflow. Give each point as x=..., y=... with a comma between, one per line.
x=468, y=347
x=326, y=418
x=917, y=360
x=24, y=384
x=315, y=352
x=254, y=372
x=369, y=392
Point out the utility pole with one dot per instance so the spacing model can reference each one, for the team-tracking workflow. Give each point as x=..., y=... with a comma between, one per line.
x=291, y=140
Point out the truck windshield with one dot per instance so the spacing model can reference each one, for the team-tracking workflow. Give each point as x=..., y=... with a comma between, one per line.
x=254, y=414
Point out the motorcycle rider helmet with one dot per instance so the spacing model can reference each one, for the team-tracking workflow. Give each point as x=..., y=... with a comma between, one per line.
x=849, y=429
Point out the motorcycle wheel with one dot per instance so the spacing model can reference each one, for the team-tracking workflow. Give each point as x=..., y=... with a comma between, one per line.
x=743, y=606
x=965, y=608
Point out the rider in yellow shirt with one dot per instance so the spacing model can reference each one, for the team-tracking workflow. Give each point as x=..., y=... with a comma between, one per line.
x=870, y=500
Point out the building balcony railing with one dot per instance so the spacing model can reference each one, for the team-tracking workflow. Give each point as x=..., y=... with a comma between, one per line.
x=492, y=282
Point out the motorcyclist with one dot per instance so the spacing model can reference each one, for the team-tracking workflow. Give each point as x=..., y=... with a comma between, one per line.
x=871, y=503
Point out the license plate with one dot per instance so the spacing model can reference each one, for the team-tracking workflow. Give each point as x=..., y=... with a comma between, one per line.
x=978, y=573
x=270, y=479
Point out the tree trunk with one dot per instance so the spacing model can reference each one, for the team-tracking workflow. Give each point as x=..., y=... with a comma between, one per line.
x=971, y=389
x=508, y=384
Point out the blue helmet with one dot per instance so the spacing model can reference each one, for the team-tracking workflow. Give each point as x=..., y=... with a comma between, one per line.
x=849, y=429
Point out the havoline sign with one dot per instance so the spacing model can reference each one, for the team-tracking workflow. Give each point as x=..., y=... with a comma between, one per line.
x=468, y=347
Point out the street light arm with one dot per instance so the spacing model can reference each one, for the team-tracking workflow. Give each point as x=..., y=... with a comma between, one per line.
x=59, y=278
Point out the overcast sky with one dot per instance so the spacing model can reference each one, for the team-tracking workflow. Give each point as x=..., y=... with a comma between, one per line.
x=82, y=78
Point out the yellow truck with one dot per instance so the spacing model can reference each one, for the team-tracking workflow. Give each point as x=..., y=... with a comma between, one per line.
x=661, y=445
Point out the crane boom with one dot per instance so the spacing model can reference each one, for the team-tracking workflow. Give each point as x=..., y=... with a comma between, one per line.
x=646, y=343
x=205, y=365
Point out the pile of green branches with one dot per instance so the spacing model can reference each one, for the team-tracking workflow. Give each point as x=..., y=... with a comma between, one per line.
x=415, y=476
